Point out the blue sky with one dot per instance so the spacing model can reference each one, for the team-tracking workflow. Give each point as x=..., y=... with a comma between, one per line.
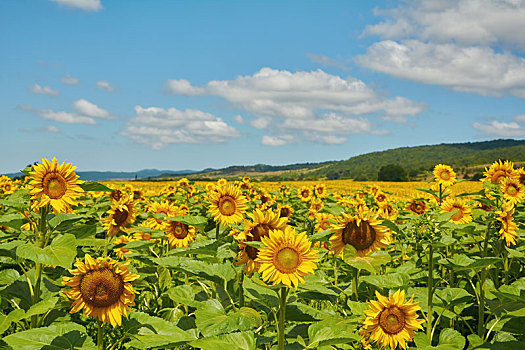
x=128, y=84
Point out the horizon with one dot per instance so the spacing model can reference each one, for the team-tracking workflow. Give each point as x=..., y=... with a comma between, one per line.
x=185, y=85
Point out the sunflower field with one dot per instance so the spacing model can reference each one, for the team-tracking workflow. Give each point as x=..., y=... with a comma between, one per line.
x=248, y=265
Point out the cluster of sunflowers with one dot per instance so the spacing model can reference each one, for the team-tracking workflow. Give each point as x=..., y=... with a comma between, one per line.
x=282, y=236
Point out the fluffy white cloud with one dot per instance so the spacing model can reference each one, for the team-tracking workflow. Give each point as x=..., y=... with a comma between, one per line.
x=104, y=85
x=502, y=129
x=465, y=22
x=312, y=106
x=520, y=118
x=85, y=5
x=470, y=69
x=69, y=80
x=239, y=119
x=58, y=116
x=43, y=90
x=92, y=110
x=158, y=127
x=275, y=140
x=51, y=129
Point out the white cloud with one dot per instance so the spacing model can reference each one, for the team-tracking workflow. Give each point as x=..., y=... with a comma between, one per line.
x=299, y=95
x=50, y=129
x=239, y=119
x=69, y=80
x=92, y=110
x=104, y=85
x=465, y=22
x=502, y=129
x=395, y=119
x=158, y=127
x=275, y=141
x=317, y=103
x=43, y=90
x=85, y=5
x=469, y=69
x=58, y=116
x=520, y=118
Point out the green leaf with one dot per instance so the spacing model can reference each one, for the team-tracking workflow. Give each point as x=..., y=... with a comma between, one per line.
x=370, y=262
x=462, y=262
x=190, y=220
x=183, y=294
x=450, y=337
x=64, y=220
x=255, y=244
x=8, y=276
x=153, y=332
x=321, y=236
x=12, y=220
x=42, y=306
x=231, y=341
x=219, y=273
x=260, y=292
x=206, y=247
x=391, y=226
x=18, y=200
x=211, y=319
x=94, y=186
x=164, y=277
x=451, y=296
x=55, y=337
x=14, y=316
x=392, y=280
x=316, y=288
x=61, y=251
x=331, y=332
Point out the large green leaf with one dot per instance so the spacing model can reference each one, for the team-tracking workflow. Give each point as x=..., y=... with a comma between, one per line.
x=260, y=292
x=12, y=220
x=462, y=262
x=231, y=341
x=42, y=306
x=55, y=337
x=392, y=280
x=8, y=276
x=219, y=273
x=94, y=186
x=211, y=319
x=61, y=251
x=370, y=262
x=331, y=332
x=183, y=294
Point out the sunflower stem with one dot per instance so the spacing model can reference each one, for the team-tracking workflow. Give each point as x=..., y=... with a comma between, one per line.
x=241, y=290
x=355, y=283
x=282, y=313
x=335, y=270
x=217, y=230
x=483, y=277
x=430, y=290
x=41, y=234
x=100, y=336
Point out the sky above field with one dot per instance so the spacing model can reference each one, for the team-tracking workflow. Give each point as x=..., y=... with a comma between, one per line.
x=126, y=84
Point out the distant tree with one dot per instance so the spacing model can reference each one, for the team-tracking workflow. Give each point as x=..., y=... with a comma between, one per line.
x=392, y=172
x=476, y=177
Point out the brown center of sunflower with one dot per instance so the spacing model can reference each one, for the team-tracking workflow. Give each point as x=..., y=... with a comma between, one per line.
x=392, y=320
x=521, y=178
x=287, y=260
x=179, y=230
x=497, y=176
x=305, y=193
x=512, y=190
x=101, y=288
x=459, y=214
x=116, y=195
x=285, y=212
x=256, y=233
x=54, y=185
x=227, y=205
x=360, y=237
x=444, y=175
x=120, y=216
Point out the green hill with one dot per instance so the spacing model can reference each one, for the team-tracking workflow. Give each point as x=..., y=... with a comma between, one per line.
x=468, y=159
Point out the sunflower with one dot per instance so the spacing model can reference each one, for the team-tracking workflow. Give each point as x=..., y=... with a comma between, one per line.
x=464, y=213
x=320, y=190
x=512, y=190
x=305, y=193
x=520, y=174
x=416, y=206
x=508, y=226
x=222, y=182
x=498, y=171
x=121, y=214
x=55, y=184
x=390, y=321
x=316, y=204
x=260, y=226
x=184, y=182
x=227, y=204
x=380, y=197
x=179, y=234
x=101, y=287
x=387, y=211
x=322, y=221
x=122, y=250
x=6, y=185
x=165, y=208
x=285, y=211
x=364, y=232
x=286, y=257
x=444, y=175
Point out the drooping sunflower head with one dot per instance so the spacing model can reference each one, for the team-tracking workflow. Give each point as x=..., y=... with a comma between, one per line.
x=463, y=213
x=508, y=225
x=121, y=215
x=260, y=226
x=180, y=234
x=285, y=211
x=305, y=193
x=417, y=206
x=363, y=231
x=498, y=171
x=54, y=184
x=286, y=257
x=391, y=321
x=101, y=288
x=513, y=191
x=444, y=175
x=227, y=204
